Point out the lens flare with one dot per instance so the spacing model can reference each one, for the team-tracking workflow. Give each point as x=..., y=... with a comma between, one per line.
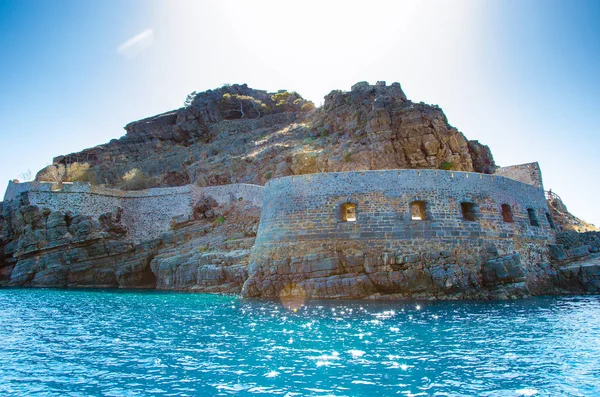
x=292, y=297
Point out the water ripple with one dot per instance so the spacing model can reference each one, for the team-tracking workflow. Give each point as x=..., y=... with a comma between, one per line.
x=134, y=343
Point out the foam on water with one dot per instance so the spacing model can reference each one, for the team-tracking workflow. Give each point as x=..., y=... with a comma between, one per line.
x=134, y=343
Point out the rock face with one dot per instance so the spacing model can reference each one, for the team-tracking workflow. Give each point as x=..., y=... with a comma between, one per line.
x=236, y=134
x=564, y=219
x=42, y=248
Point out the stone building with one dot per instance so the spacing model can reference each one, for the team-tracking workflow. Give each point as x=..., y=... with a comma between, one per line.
x=402, y=233
x=390, y=233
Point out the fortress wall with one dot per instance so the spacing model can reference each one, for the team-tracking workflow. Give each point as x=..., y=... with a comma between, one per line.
x=303, y=244
x=148, y=217
x=527, y=173
x=14, y=189
x=307, y=207
x=78, y=202
x=234, y=192
x=146, y=213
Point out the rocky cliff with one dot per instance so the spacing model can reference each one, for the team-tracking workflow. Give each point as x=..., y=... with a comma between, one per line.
x=234, y=134
x=44, y=248
x=239, y=134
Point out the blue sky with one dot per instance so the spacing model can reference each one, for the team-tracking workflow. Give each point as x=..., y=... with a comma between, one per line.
x=522, y=76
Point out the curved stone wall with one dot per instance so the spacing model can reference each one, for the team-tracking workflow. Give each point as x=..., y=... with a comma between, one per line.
x=301, y=239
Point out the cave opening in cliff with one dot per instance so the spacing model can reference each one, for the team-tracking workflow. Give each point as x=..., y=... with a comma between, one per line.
x=348, y=212
x=550, y=220
x=418, y=210
x=468, y=211
x=532, y=217
x=507, y=213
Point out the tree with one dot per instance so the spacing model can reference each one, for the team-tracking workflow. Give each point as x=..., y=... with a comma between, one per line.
x=190, y=98
x=26, y=176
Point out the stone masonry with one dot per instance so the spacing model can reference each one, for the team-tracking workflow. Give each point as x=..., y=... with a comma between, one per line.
x=422, y=234
x=146, y=214
x=302, y=240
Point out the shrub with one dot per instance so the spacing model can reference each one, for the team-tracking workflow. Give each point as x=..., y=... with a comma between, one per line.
x=189, y=99
x=307, y=107
x=220, y=220
x=80, y=172
x=268, y=175
x=348, y=157
x=26, y=176
x=447, y=165
x=283, y=97
x=136, y=179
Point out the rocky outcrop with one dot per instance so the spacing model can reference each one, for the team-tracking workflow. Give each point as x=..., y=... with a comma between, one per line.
x=374, y=274
x=44, y=248
x=563, y=218
x=239, y=134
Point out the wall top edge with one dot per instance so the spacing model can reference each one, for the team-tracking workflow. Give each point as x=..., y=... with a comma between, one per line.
x=15, y=188
x=398, y=172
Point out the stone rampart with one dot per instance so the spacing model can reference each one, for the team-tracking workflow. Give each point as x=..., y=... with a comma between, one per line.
x=146, y=213
x=527, y=173
x=301, y=228
x=239, y=191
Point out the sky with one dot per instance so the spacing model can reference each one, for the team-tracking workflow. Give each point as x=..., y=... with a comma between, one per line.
x=522, y=76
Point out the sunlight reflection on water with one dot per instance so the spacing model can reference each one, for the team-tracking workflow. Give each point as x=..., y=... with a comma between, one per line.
x=130, y=343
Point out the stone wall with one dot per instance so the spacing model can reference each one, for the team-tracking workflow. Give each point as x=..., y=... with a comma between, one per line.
x=527, y=173
x=146, y=213
x=14, y=189
x=239, y=191
x=302, y=240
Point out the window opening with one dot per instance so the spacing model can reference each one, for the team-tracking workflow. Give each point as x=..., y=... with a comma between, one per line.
x=468, y=211
x=418, y=210
x=348, y=212
x=507, y=213
x=532, y=217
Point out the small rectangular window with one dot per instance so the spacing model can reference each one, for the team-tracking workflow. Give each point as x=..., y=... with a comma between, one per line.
x=532, y=217
x=507, y=213
x=468, y=211
x=418, y=210
x=348, y=212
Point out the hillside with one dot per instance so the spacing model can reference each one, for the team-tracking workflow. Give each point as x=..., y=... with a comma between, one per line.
x=239, y=134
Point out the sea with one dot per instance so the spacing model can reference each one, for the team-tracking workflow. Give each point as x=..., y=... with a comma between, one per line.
x=149, y=343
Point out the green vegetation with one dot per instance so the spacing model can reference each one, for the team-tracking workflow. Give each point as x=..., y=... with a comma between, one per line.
x=348, y=157
x=190, y=98
x=307, y=107
x=283, y=98
x=136, y=179
x=268, y=175
x=80, y=172
x=248, y=103
x=220, y=220
x=307, y=141
x=447, y=165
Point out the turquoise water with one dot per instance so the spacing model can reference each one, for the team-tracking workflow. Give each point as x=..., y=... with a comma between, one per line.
x=120, y=343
